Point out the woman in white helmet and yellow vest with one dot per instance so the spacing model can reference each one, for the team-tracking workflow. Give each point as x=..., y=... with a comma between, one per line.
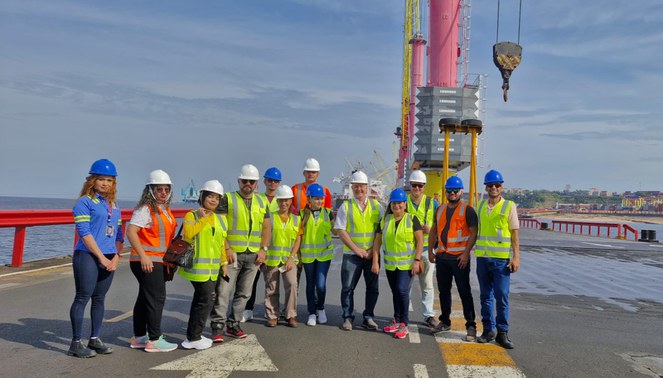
x=151, y=228
x=281, y=259
x=316, y=252
x=207, y=231
x=401, y=237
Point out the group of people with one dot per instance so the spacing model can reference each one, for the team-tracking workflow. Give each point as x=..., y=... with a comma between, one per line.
x=237, y=236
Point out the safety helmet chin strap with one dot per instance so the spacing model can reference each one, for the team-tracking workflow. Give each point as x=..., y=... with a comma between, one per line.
x=154, y=197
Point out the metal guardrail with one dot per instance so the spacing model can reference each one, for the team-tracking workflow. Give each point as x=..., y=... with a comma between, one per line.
x=21, y=219
x=585, y=228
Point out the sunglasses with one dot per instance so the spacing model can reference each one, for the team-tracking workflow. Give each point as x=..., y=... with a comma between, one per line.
x=272, y=181
x=417, y=185
x=454, y=191
x=495, y=185
x=248, y=181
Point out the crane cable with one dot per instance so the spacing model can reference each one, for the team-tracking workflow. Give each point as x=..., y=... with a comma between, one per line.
x=520, y=13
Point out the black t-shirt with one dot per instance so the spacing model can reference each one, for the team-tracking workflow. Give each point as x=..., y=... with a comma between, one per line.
x=471, y=220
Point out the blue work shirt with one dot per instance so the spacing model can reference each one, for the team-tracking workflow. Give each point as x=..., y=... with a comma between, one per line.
x=93, y=216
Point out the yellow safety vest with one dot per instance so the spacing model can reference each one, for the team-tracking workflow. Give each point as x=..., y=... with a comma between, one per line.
x=241, y=234
x=272, y=206
x=425, y=213
x=209, y=249
x=494, y=238
x=283, y=239
x=317, y=241
x=398, y=243
x=361, y=226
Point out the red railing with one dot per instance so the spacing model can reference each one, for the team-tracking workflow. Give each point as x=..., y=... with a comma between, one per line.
x=530, y=223
x=585, y=228
x=21, y=219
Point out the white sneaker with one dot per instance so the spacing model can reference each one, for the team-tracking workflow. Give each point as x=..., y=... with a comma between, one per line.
x=311, y=320
x=246, y=316
x=322, y=317
x=203, y=343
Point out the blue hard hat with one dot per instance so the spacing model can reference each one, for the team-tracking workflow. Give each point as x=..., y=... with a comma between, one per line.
x=397, y=195
x=103, y=167
x=493, y=176
x=315, y=190
x=454, y=182
x=273, y=173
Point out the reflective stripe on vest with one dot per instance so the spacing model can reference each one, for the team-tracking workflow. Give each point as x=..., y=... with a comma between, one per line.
x=459, y=232
x=209, y=251
x=316, y=240
x=239, y=237
x=398, y=242
x=361, y=226
x=283, y=239
x=494, y=238
x=155, y=239
x=425, y=213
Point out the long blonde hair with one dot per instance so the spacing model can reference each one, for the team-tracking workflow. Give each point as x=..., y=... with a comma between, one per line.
x=88, y=188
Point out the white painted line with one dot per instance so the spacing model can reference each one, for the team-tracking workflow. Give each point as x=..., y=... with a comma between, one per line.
x=600, y=245
x=10, y=284
x=457, y=314
x=462, y=371
x=120, y=317
x=220, y=361
x=34, y=270
x=656, y=245
x=414, y=334
x=410, y=308
x=420, y=371
x=450, y=337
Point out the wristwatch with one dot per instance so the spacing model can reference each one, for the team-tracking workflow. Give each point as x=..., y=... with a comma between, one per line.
x=264, y=248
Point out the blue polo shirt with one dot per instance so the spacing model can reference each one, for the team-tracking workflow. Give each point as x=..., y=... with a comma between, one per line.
x=93, y=216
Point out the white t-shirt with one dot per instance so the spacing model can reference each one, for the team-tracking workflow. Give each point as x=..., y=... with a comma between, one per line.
x=143, y=219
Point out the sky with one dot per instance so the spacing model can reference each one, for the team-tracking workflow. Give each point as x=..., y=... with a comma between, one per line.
x=201, y=88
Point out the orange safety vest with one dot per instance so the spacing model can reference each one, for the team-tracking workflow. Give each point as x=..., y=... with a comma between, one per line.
x=155, y=239
x=300, y=200
x=459, y=232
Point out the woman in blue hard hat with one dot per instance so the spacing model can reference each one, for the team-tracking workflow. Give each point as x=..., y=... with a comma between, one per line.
x=401, y=237
x=316, y=252
x=207, y=231
x=99, y=227
x=151, y=228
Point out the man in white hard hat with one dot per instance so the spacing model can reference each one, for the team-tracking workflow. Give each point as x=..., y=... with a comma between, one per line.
x=249, y=233
x=356, y=222
x=424, y=207
x=311, y=175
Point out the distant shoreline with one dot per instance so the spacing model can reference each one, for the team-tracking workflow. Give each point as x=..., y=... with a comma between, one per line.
x=601, y=218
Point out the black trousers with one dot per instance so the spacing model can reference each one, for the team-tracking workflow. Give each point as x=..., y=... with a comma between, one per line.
x=151, y=299
x=446, y=271
x=201, y=306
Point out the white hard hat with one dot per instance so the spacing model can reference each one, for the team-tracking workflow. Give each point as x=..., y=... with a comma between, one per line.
x=249, y=172
x=312, y=165
x=158, y=177
x=213, y=186
x=418, y=176
x=283, y=192
x=359, y=177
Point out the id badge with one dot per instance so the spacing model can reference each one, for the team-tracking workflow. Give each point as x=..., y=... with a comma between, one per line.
x=109, y=230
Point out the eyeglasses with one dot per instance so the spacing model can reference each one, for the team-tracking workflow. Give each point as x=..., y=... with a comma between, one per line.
x=162, y=190
x=251, y=182
x=494, y=184
x=417, y=185
x=454, y=191
x=271, y=181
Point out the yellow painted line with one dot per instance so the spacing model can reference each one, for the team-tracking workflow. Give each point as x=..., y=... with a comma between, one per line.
x=475, y=354
x=120, y=317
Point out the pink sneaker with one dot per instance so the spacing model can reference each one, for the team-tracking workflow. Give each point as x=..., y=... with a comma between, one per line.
x=391, y=328
x=402, y=332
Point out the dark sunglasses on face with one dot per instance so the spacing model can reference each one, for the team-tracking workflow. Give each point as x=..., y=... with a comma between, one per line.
x=495, y=184
x=417, y=185
x=454, y=191
x=271, y=181
x=248, y=182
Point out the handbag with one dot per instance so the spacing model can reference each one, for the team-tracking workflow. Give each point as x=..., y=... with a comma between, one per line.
x=179, y=252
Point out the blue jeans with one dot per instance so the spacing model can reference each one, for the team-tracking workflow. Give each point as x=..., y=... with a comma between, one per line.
x=316, y=284
x=400, y=282
x=494, y=279
x=447, y=271
x=92, y=282
x=351, y=269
